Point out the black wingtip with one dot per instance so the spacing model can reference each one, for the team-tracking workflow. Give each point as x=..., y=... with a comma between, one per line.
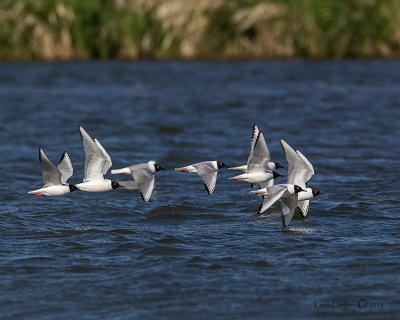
x=283, y=148
x=62, y=156
x=208, y=190
x=301, y=212
x=258, y=137
x=141, y=194
x=80, y=132
x=284, y=226
x=253, y=130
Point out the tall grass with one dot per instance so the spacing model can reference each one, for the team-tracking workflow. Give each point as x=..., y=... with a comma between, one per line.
x=131, y=29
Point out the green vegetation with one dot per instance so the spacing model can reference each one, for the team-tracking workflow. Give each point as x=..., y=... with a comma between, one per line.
x=132, y=29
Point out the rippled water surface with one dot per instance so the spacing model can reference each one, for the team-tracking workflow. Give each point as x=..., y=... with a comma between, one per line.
x=185, y=254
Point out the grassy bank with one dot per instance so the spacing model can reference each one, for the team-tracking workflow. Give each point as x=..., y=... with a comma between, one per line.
x=132, y=29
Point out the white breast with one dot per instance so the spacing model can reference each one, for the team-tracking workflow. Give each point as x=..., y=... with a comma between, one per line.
x=95, y=186
x=306, y=195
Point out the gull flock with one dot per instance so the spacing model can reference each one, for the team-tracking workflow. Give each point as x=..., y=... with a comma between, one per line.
x=259, y=172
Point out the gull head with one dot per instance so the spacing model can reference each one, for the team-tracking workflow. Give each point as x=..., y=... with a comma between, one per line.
x=220, y=165
x=315, y=192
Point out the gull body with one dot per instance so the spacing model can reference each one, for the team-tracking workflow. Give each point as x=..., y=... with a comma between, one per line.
x=271, y=165
x=256, y=177
x=58, y=190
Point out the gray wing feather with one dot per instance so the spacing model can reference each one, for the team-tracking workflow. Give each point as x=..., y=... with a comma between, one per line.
x=297, y=170
x=273, y=194
x=209, y=181
x=259, y=157
x=94, y=160
x=303, y=207
x=108, y=163
x=129, y=185
x=51, y=175
x=208, y=175
x=309, y=167
x=144, y=179
x=65, y=167
x=288, y=207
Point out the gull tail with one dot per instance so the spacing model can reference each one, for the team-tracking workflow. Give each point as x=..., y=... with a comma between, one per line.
x=37, y=192
x=240, y=168
x=121, y=171
x=259, y=191
x=186, y=169
x=238, y=178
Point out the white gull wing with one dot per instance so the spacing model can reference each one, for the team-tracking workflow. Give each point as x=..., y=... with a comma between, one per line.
x=259, y=156
x=94, y=160
x=303, y=206
x=308, y=165
x=65, y=167
x=288, y=206
x=297, y=169
x=51, y=175
x=207, y=171
x=144, y=178
x=108, y=162
x=273, y=194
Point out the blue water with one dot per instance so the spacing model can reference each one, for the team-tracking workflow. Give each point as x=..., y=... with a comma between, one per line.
x=186, y=254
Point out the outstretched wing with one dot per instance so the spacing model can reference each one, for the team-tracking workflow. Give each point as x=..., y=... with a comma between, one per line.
x=95, y=159
x=254, y=136
x=288, y=207
x=307, y=164
x=259, y=156
x=297, y=170
x=144, y=178
x=51, y=175
x=208, y=174
x=108, y=163
x=273, y=194
x=65, y=167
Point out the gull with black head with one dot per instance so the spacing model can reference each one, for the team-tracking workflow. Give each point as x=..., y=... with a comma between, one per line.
x=207, y=170
x=55, y=178
x=97, y=163
x=258, y=163
x=143, y=176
